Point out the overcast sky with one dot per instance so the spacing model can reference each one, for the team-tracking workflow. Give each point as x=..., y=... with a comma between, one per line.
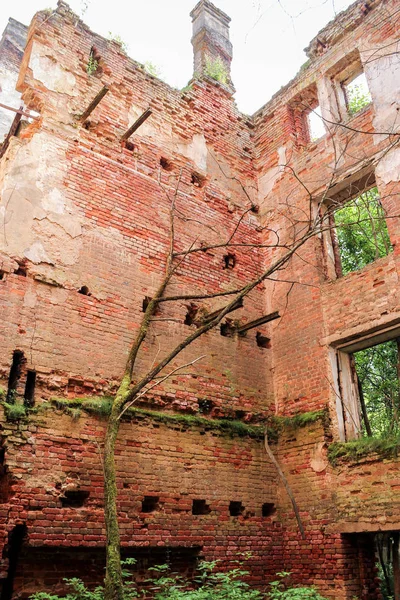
x=268, y=36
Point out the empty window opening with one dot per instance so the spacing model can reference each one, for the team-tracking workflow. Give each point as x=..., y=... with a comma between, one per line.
x=166, y=164
x=200, y=507
x=262, y=340
x=130, y=146
x=376, y=374
x=145, y=303
x=29, y=395
x=356, y=93
x=150, y=504
x=14, y=376
x=74, y=498
x=192, y=310
x=198, y=180
x=316, y=124
x=235, y=508
x=268, y=509
x=361, y=232
x=84, y=290
x=228, y=328
x=229, y=261
x=387, y=549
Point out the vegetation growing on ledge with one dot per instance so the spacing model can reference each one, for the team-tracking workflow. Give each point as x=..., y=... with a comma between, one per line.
x=101, y=407
x=301, y=419
x=357, y=449
x=14, y=412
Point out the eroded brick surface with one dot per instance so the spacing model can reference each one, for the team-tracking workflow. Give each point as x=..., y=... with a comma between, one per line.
x=84, y=237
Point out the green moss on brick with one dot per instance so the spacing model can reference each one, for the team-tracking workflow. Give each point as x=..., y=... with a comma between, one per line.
x=101, y=407
x=363, y=447
x=302, y=419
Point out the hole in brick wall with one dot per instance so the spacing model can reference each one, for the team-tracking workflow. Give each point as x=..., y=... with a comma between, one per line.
x=130, y=146
x=74, y=498
x=166, y=164
x=2, y=275
x=15, y=373
x=255, y=209
x=13, y=549
x=268, y=509
x=262, y=340
x=192, y=310
x=145, y=303
x=84, y=290
x=86, y=125
x=200, y=507
x=235, y=508
x=22, y=269
x=93, y=66
x=228, y=329
x=229, y=261
x=205, y=406
x=198, y=180
x=29, y=394
x=150, y=504
x=239, y=414
x=246, y=149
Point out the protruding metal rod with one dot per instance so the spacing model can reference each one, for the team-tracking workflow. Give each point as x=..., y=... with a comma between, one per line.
x=258, y=322
x=136, y=124
x=94, y=103
x=19, y=111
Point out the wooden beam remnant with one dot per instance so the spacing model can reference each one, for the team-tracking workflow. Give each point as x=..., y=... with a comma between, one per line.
x=94, y=103
x=258, y=322
x=213, y=315
x=11, y=133
x=136, y=124
x=19, y=111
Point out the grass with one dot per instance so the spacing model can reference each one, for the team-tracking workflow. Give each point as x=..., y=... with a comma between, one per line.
x=355, y=450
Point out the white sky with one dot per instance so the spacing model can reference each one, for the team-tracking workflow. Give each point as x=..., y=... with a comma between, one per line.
x=268, y=36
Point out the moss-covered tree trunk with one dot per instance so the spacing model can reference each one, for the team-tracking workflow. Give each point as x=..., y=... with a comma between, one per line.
x=113, y=578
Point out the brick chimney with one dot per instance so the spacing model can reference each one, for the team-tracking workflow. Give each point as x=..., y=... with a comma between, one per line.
x=210, y=40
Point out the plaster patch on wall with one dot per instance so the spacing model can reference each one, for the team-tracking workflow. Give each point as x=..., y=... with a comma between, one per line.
x=30, y=299
x=36, y=253
x=387, y=169
x=34, y=206
x=50, y=73
x=196, y=151
x=268, y=180
x=383, y=76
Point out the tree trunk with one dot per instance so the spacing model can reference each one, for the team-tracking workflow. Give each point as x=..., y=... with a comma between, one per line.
x=113, y=579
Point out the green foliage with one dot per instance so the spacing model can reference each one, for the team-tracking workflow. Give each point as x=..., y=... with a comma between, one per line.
x=216, y=69
x=362, y=231
x=302, y=419
x=152, y=69
x=115, y=37
x=358, y=97
x=92, y=65
x=2, y=393
x=208, y=584
x=101, y=406
x=357, y=449
x=279, y=591
x=14, y=412
x=377, y=371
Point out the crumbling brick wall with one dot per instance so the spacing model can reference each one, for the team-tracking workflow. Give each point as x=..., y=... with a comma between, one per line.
x=84, y=243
